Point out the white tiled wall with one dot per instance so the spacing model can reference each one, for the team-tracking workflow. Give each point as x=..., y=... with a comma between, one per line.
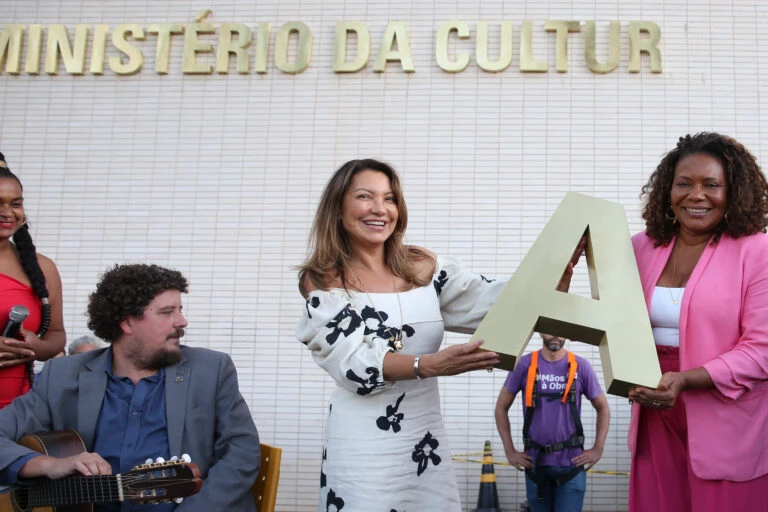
x=218, y=175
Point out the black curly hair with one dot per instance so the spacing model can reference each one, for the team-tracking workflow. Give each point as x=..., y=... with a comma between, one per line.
x=125, y=291
x=747, y=190
x=25, y=247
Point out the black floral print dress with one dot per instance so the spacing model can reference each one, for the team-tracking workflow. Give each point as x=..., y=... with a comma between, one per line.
x=385, y=445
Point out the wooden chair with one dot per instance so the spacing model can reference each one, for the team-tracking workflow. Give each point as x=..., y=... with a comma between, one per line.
x=264, y=490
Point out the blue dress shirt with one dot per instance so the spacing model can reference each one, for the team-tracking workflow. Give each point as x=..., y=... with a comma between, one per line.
x=132, y=428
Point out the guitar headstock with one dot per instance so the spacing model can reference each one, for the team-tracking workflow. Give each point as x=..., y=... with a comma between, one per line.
x=161, y=481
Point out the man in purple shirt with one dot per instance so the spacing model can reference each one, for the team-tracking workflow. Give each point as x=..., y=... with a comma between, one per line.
x=554, y=459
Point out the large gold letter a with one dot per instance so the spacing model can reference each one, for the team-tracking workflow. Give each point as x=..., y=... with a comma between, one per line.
x=615, y=318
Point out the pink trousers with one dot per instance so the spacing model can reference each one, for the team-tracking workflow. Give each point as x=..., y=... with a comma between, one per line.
x=661, y=478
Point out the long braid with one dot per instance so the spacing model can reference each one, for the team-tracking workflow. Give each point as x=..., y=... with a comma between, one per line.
x=28, y=257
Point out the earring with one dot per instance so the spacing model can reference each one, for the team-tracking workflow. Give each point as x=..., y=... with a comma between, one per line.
x=25, y=220
x=669, y=215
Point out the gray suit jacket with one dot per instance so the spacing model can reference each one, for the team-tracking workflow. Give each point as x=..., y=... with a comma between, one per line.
x=207, y=418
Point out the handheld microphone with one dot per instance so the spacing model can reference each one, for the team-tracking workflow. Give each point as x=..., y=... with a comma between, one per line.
x=17, y=315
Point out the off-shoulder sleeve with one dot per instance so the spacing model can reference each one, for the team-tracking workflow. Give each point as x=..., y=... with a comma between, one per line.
x=341, y=344
x=465, y=297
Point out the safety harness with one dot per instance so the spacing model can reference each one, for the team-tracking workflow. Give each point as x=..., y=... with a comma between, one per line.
x=532, y=396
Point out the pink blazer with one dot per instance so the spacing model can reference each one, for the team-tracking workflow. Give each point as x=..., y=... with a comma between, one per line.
x=724, y=328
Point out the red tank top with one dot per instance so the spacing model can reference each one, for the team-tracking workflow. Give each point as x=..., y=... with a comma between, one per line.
x=14, y=381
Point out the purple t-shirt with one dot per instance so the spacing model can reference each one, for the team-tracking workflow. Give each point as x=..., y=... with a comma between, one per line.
x=552, y=421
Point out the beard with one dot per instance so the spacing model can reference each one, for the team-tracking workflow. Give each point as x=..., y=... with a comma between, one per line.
x=554, y=344
x=161, y=358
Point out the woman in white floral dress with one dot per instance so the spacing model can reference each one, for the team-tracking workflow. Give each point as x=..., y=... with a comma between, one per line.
x=374, y=320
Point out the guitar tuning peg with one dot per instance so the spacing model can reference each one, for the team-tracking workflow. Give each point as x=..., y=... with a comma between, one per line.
x=159, y=460
x=186, y=458
x=174, y=458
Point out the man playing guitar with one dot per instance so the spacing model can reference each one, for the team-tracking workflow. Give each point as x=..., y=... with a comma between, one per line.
x=144, y=396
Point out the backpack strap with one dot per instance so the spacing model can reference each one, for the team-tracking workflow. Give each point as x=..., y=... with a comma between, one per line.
x=531, y=381
x=572, y=367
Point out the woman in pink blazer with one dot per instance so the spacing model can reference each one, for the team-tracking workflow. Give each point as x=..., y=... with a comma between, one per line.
x=699, y=441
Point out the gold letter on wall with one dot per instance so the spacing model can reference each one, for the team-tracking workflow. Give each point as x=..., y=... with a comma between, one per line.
x=638, y=45
x=262, y=47
x=441, y=46
x=527, y=62
x=481, y=52
x=590, y=47
x=120, y=40
x=303, y=52
x=58, y=43
x=340, y=63
x=229, y=46
x=615, y=319
x=164, y=32
x=394, y=35
x=100, y=33
x=193, y=46
x=34, y=49
x=562, y=28
x=10, y=47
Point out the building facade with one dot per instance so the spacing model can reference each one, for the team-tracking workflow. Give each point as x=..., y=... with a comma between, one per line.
x=199, y=135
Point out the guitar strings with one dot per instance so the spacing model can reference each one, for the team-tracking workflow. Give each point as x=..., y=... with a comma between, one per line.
x=105, y=487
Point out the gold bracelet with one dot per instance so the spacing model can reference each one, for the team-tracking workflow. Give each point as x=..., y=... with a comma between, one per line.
x=416, y=367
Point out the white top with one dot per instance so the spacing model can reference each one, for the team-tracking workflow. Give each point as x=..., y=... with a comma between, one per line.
x=665, y=315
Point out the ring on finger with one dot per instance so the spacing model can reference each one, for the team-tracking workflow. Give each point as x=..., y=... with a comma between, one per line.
x=655, y=403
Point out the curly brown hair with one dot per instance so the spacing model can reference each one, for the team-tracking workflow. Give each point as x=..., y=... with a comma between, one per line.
x=747, y=190
x=125, y=291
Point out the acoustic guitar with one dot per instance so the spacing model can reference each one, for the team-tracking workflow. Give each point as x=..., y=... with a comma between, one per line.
x=147, y=483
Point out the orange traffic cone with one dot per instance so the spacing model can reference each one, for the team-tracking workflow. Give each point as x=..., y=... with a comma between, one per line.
x=488, y=497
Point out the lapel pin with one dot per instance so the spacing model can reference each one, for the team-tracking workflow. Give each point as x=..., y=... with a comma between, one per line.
x=179, y=378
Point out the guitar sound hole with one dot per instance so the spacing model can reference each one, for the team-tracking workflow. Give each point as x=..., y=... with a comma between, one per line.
x=21, y=497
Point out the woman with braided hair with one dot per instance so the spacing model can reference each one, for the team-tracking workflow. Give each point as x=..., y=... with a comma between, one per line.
x=26, y=279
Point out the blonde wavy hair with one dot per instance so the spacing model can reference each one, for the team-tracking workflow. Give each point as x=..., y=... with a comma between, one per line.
x=329, y=244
